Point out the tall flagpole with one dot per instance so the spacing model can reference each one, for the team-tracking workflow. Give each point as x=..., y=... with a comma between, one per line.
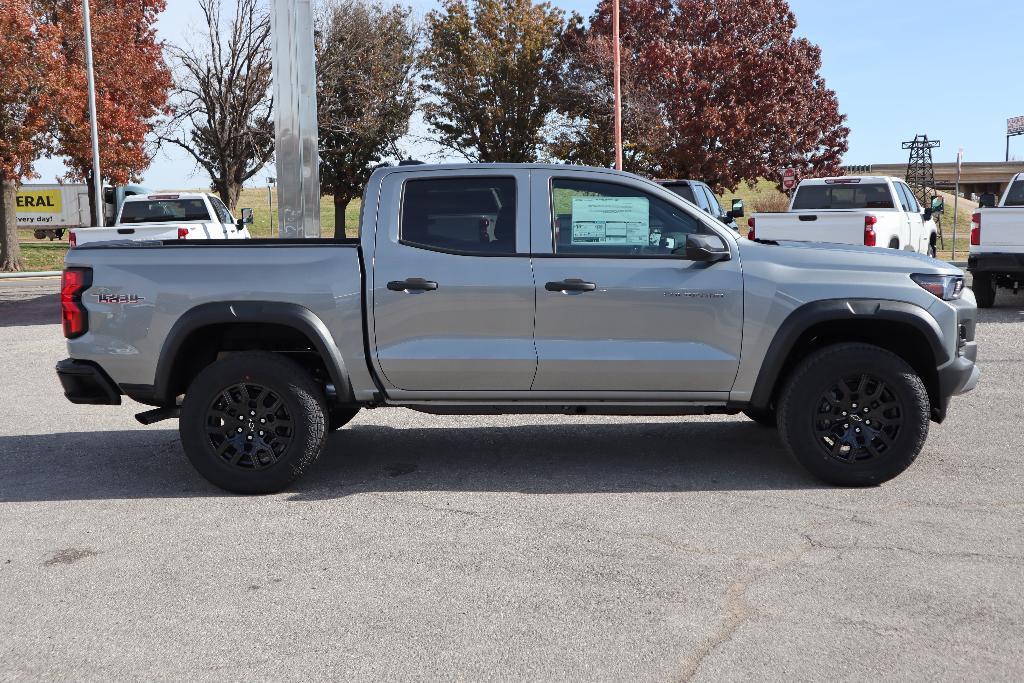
x=97, y=178
x=617, y=85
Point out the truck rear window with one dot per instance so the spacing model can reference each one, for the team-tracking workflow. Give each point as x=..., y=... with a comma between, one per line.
x=463, y=215
x=1015, y=197
x=164, y=211
x=683, y=190
x=861, y=196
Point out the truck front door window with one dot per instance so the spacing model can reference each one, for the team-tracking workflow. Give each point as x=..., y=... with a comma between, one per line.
x=605, y=219
x=460, y=215
x=223, y=215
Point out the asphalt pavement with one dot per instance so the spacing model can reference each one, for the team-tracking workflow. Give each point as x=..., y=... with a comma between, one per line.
x=537, y=547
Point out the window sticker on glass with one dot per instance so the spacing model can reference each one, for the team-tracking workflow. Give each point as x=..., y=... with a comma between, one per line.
x=611, y=220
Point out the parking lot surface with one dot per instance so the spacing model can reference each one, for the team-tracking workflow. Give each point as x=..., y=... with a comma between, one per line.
x=504, y=547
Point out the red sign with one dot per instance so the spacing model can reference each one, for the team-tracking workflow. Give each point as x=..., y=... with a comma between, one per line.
x=789, y=178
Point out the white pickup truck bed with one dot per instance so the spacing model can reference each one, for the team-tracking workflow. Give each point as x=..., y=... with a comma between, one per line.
x=997, y=244
x=874, y=211
x=167, y=216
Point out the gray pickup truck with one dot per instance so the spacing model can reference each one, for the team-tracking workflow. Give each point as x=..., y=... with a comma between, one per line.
x=487, y=289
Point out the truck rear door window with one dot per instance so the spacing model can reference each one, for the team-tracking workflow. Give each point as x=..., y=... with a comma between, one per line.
x=460, y=215
x=859, y=196
x=164, y=211
x=1015, y=197
x=606, y=219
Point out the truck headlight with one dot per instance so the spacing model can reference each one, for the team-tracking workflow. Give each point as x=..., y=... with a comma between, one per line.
x=946, y=287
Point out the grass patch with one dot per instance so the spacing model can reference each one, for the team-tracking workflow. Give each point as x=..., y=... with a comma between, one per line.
x=43, y=256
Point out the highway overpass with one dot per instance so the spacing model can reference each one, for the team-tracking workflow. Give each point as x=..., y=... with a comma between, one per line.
x=976, y=177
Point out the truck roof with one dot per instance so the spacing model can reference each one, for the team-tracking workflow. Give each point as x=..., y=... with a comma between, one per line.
x=165, y=195
x=832, y=179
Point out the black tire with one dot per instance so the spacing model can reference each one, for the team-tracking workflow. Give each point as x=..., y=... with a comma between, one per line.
x=984, y=290
x=764, y=417
x=283, y=434
x=811, y=413
x=340, y=415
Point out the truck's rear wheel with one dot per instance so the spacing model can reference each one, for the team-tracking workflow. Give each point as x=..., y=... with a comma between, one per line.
x=984, y=290
x=253, y=422
x=854, y=414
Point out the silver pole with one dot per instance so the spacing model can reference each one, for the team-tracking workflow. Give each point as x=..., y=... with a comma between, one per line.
x=97, y=178
x=956, y=196
x=296, y=144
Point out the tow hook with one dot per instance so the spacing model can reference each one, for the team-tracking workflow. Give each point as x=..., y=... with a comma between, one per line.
x=158, y=414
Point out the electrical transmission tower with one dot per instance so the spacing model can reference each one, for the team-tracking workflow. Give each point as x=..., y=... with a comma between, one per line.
x=921, y=171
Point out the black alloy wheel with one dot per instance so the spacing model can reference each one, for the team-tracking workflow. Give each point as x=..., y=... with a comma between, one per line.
x=857, y=419
x=249, y=426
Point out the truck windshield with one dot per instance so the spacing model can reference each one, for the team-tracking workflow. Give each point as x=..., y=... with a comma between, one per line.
x=860, y=196
x=164, y=211
x=1015, y=197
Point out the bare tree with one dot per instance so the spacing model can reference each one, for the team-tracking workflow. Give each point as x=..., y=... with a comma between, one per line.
x=222, y=106
x=366, y=92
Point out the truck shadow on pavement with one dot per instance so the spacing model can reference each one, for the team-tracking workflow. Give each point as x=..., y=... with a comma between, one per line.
x=534, y=458
x=40, y=310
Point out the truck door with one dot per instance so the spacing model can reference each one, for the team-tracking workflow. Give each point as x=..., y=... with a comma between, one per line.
x=913, y=219
x=452, y=287
x=619, y=307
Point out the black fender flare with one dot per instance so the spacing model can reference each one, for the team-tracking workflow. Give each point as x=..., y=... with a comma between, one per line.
x=829, y=310
x=286, y=314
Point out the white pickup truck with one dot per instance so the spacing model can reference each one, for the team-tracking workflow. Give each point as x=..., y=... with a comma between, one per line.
x=876, y=211
x=996, y=256
x=169, y=216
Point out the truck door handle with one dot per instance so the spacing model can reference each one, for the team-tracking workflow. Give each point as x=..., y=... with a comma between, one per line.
x=412, y=284
x=807, y=217
x=570, y=285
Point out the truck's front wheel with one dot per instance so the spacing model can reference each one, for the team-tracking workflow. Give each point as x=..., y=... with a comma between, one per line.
x=854, y=414
x=253, y=422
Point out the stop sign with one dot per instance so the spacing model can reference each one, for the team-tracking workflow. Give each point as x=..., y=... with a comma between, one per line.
x=789, y=178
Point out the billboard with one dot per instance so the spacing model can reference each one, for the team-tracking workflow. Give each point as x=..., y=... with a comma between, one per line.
x=1015, y=125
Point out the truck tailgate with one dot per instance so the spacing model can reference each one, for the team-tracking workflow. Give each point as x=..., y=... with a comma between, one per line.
x=1002, y=229
x=841, y=227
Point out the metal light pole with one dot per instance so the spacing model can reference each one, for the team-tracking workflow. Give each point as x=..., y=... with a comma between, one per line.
x=956, y=196
x=97, y=178
x=616, y=85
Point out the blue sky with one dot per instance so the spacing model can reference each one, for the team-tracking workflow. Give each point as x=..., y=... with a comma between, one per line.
x=899, y=67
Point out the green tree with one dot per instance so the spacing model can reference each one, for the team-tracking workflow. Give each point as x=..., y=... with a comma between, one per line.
x=366, y=92
x=489, y=69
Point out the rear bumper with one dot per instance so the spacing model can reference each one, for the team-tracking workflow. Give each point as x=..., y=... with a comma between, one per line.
x=996, y=264
x=86, y=382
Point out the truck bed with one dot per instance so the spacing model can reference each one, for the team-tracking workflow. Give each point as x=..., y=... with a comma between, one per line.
x=141, y=289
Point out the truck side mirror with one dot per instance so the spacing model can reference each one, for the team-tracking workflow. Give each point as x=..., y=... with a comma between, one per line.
x=706, y=248
x=938, y=205
x=247, y=216
x=737, y=209
x=987, y=200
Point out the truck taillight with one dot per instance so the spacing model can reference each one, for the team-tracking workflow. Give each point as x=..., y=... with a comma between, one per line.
x=870, y=238
x=750, y=233
x=976, y=228
x=73, y=316
x=72, y=240
x=182, y=233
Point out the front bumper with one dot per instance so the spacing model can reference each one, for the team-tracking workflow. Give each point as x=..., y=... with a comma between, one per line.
x=961, y=374
x=86, y=382
x=996, y=263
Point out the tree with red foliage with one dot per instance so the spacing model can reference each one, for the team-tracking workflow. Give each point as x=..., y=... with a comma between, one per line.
x=132, y=84
x=737, y=96
x=27, y=60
